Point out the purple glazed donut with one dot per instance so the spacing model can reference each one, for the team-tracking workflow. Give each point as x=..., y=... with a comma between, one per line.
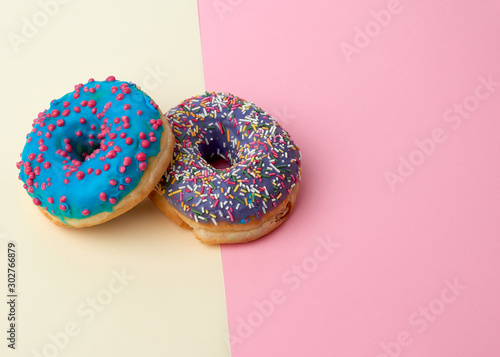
x=239, y=203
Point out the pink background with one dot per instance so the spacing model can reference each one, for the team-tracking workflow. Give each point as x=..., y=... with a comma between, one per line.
x=353, y=120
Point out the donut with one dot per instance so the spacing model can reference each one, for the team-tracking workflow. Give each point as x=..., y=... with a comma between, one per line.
x=95, y=153
x=238, y=203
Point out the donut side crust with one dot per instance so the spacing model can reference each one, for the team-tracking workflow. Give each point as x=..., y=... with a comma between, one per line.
x=209, y=233
x=157, y=165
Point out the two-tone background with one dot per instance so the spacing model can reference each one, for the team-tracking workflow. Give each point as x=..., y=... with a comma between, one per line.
x=394, y=245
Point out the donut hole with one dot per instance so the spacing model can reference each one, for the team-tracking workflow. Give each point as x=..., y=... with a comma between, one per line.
x=81, y=149
x=214, y=156
x=218, y=162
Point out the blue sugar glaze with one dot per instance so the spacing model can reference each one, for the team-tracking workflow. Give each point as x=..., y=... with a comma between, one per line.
x=98, y=142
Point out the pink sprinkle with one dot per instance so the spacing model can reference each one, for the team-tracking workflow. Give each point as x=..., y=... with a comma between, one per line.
x=123, y=135
x=97, y=172
x=121, y=187
x=92, y=90
x=125, y=119
x=60, y=122
x=112, y=182
x=83, y=103
x=111, y=154
x=127, y=161
x=91, y=103
x=140, y=156
x=51, y=127
x=62, y=199
x=48, y=135
x=142, y=135
x=90, y=170
x=66, y=104
x=68, y=148
x=103, y=196
x=110, y=79
x=37, y=170
x=66, y=112
x=76, y=109
x=42, y=148
x=117, y=120
x=82, y=121
x=145, y=144
x=31, y=190
x=126, y=106
x=78, y=133
x=85, y=212
x=117, y=148
x=54, y=113
x=129, y=141
x=155, y=126
x=80, y=175
x=122, y=169
x=62, y=207
x=94, y=110
x=46, y=165
x=159, y=122
x=66, y=140
x=112, y=201
x=37, y=201
x=40, y=158
x=106, y=167
x=50, y=200
x=126, y=125
x=142, y=166
x=128, y=179
x=114, y=89
x=120, y=96
x=31, y=156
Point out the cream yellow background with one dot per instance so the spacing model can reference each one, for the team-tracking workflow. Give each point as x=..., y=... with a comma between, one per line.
x=175, y=303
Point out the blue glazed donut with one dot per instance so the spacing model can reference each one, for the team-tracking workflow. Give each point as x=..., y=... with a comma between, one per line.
x=239, y=203
x=95, y=153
